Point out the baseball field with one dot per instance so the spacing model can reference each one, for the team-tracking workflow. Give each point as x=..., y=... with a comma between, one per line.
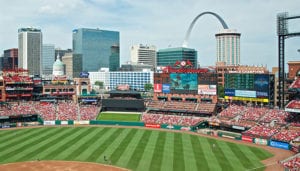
x=135, y=149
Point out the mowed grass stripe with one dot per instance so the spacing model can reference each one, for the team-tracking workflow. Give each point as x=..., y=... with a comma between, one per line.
x=260, y=153
x=21, y=138
x=158, y=152
x=167, y=161
x=101, y=148
x=27, y=144
x=127, y=154
x=93, y=146
x=80, y=133
x=201, y=162
x=252, y=157
x=122, y=146
x=108, y=151
x=242, y=158
x=139, y=151
x=9, y=135
x=221, y=157
x=86, y=143
x=32, y=153
x=189, y=158
x=212, y=161
x=73, y=145
x=178, y=158
x=144, y=163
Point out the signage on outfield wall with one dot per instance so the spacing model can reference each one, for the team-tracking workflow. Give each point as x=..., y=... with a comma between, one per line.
x=279, y=144
x=187, y=128
x=152, y=125
x=246, y=138
x=260, y=141
x=49, y=122
x=292, y=110
x=64, y=122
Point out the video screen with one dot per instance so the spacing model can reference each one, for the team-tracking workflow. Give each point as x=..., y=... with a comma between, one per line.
x=186, y=81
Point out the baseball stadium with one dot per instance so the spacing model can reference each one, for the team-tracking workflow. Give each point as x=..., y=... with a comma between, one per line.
x=47, y=125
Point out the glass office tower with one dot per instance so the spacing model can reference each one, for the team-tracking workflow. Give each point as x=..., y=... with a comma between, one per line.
x=95, y=47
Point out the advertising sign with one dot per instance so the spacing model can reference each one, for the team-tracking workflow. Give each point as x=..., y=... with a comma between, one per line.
x=279, y=144
x=166, y=88
x=245, y=93
x=261, y=141
x=238, y=127
x=246, y=138
x=157, y=88
x=207, y=89
x=49, y=122
x=229, y=92
x=152, y=125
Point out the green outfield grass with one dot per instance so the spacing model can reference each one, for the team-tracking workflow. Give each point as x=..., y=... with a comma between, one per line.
x=136, y=149
x=131, y=117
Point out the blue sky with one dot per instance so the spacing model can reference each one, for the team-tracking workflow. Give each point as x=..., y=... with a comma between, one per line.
x=160, y=23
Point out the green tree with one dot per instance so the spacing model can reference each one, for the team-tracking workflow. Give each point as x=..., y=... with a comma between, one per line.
x=99, y=84
x=148, y=87
x=221, y=92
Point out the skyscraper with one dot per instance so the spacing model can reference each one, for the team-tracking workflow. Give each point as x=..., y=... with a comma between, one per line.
x=95, y=47
x=48, y=58
x=168, y=57
x=30, y=50
x=143, y=54
x=10, y=59
x=228, y=46
x=114, y=58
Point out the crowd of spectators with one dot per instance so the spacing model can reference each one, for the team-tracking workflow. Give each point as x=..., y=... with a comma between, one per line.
x=50, y=111
x=170, y=119
x=287, y=135
x=292, y=164
x=261, y=132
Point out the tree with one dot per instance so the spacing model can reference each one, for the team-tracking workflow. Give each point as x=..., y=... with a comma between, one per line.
x=99, y=84
x=221, y=92
x=148, y=87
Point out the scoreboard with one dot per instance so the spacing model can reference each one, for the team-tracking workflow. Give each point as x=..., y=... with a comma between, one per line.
x=239, y=81
x=247, y=85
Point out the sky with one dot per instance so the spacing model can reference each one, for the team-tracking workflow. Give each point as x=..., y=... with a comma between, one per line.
x=162, y=23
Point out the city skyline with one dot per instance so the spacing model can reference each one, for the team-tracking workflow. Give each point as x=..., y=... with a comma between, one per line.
x=162, y=24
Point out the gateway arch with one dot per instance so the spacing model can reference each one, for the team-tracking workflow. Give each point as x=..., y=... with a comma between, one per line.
x=187, y=35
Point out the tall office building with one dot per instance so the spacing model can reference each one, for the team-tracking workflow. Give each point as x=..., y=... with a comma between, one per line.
x=73, y=64
x=95, y=47
x=48, y=58
x=143, y=54
x=169, y=56
x=30, y=50
x=10, y=59
x=228, y=46
x=114, y=58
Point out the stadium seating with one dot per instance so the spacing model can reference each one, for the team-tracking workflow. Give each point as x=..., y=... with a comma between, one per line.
x=293, y=164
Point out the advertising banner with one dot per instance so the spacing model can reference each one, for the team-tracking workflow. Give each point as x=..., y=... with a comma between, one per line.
x=207, y=89
x=152, y=125
x=261, y=141
x=279, y=144
x=49, y=122
x=245, y=93
x=229, y=92
x=157, y=88
x=246, y=138
x=187, y=128
x=64, y=122
x=166, y=88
